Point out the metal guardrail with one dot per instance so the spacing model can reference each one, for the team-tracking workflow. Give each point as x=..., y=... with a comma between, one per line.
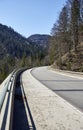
x=7, y=92
x=4, y=88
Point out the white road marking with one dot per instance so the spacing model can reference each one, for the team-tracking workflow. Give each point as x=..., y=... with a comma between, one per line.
x=61, y=73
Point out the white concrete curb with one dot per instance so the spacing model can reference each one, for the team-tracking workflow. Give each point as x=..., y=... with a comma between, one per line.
x=49, y=111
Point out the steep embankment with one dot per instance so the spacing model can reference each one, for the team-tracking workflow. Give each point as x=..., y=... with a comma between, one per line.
x=72, y=61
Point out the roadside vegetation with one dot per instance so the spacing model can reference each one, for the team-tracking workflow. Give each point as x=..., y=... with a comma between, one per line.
x=66, y=43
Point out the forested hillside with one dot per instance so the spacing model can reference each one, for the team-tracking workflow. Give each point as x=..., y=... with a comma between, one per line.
x=66, y=44
x=40, y=45
x=17, y=51
x=39, y=39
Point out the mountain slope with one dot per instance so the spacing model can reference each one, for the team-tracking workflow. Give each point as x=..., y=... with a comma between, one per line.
x=17, y=51
x=40, y=40
x=12, y=43
x=39, y=45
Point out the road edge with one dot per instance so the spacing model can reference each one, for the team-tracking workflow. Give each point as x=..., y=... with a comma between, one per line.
x=75, y=108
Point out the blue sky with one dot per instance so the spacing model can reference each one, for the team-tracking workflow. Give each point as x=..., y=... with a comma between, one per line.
x=30, y=16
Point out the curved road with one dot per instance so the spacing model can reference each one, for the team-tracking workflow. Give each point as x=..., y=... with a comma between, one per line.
x=65, y=85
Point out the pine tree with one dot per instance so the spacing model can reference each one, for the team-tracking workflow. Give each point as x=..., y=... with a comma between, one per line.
x=23, y=64
x=75, y=16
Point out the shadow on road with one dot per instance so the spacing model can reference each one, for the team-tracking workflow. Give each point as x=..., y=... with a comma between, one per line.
x=61, y=80
x=20, y=119
x=71, y=90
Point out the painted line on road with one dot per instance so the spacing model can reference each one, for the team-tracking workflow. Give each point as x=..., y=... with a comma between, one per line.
x=62, y=73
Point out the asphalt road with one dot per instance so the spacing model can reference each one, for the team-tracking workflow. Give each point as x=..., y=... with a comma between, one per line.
x=65, y=85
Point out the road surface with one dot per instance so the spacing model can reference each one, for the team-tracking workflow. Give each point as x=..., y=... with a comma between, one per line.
x=67, y=86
